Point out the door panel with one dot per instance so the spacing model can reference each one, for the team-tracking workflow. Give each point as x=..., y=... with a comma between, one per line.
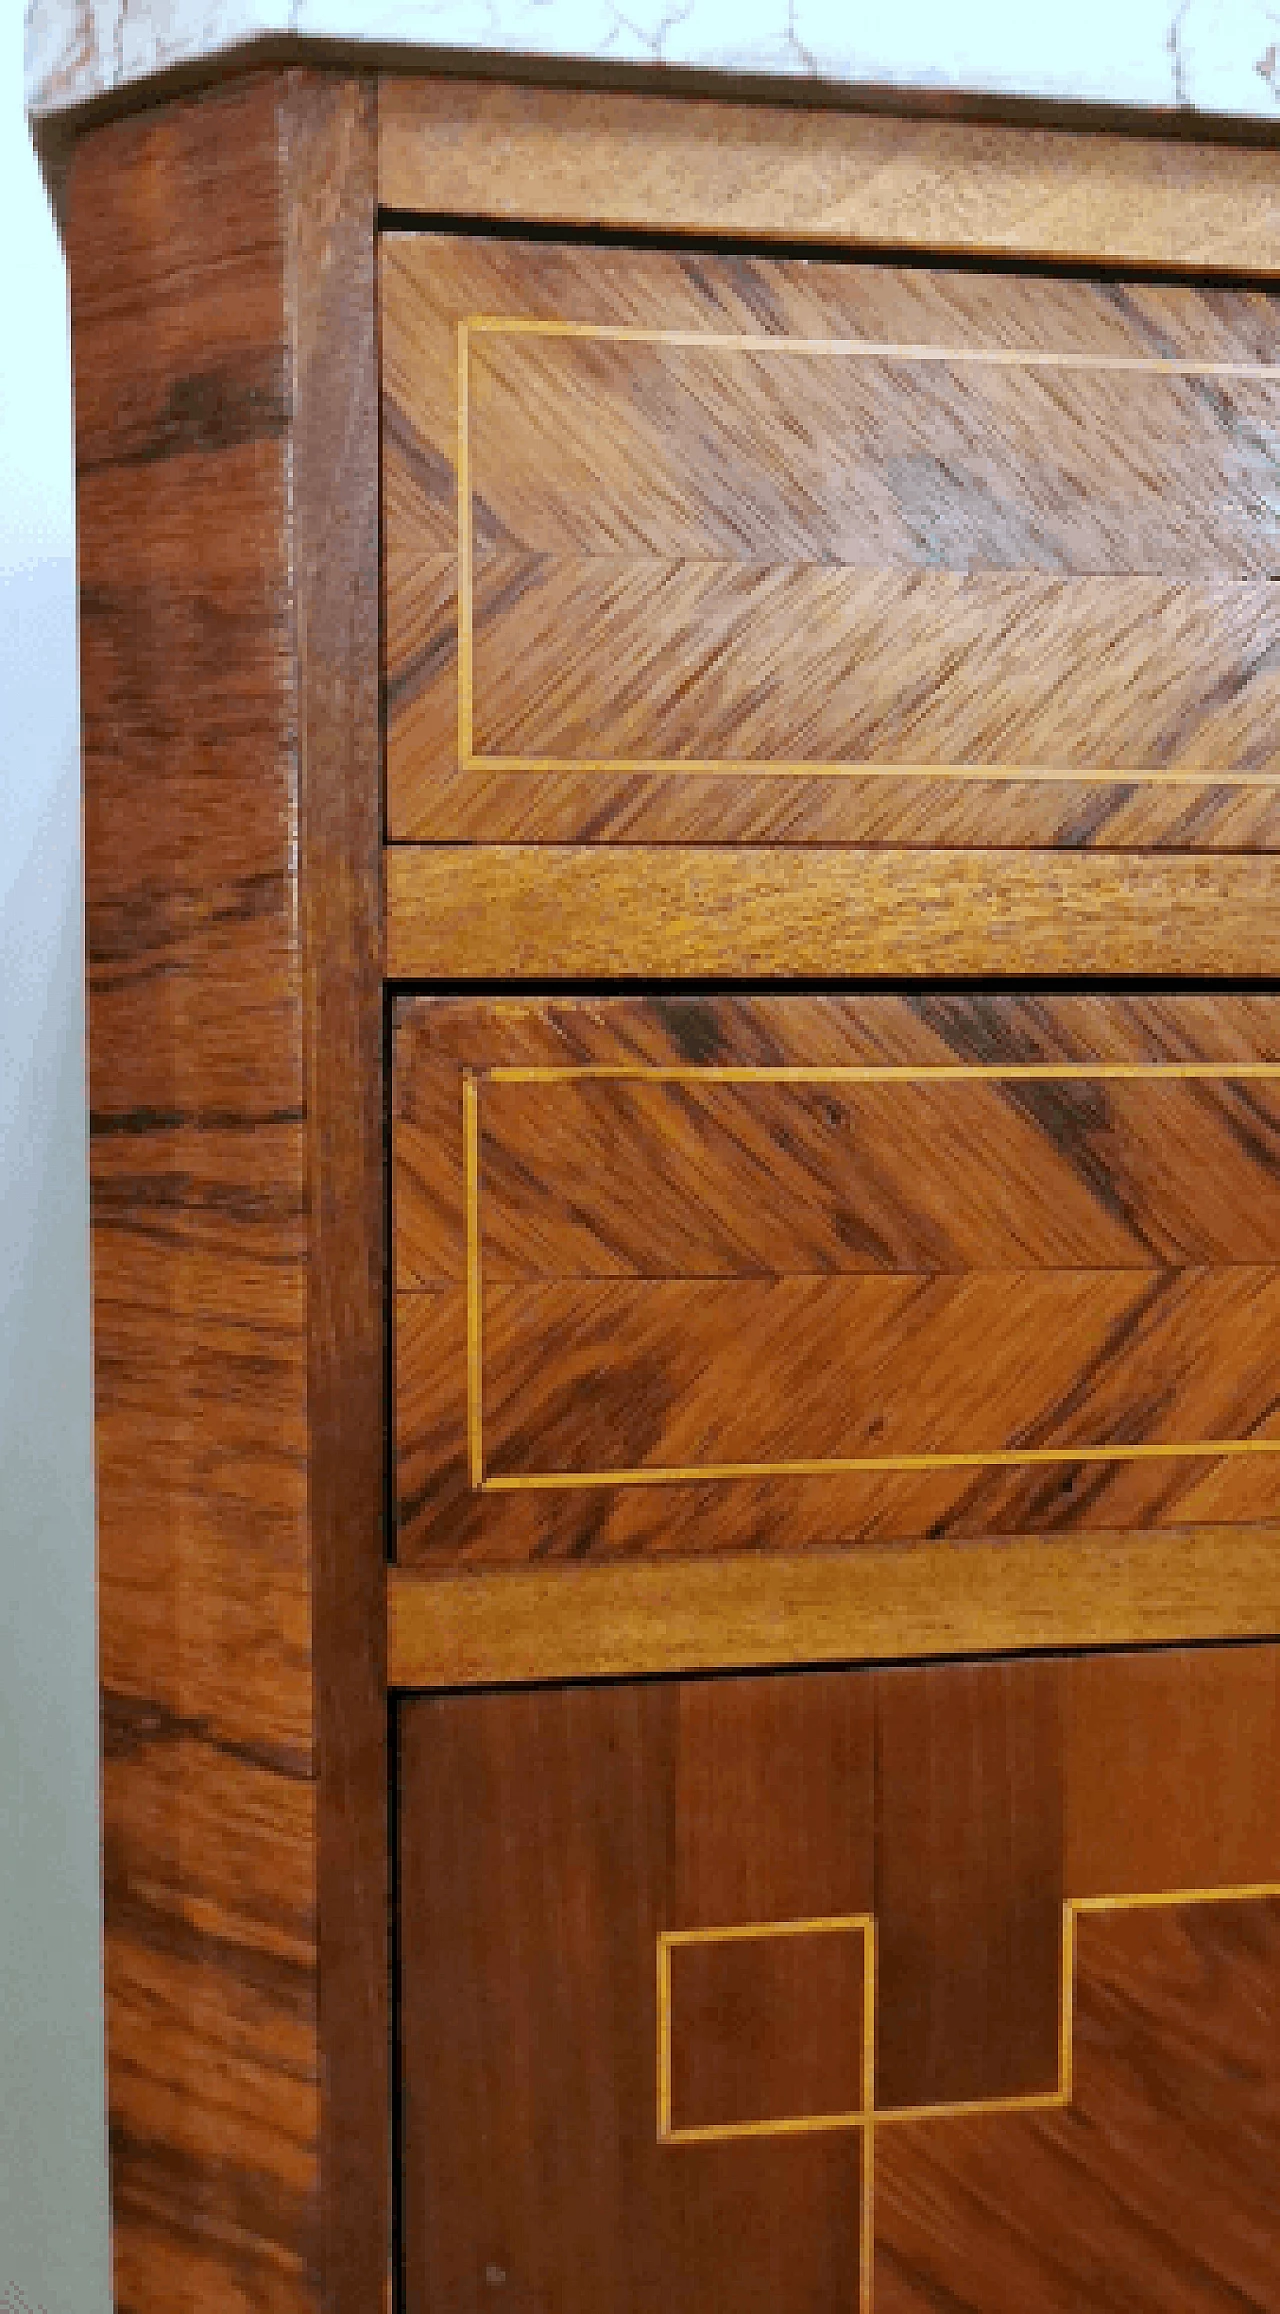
x=806, y=1992
x=711, y=1274
x=755, y=550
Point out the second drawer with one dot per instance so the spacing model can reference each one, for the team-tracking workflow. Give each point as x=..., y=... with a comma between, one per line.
x=726, y=1273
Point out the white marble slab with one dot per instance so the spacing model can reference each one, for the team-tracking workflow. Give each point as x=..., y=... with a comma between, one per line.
x=1215, y=55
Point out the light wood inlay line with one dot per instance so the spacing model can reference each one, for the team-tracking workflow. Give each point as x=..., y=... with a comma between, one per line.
x=867, y=2197
x=1003, y=1458
x=466, y=641
x=803, y=767
x=475, y=1341
x=758, y=1931
x=860, y=349
x=886, y=1073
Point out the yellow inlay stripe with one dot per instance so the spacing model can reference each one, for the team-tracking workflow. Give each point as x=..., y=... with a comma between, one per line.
x=466, y=684
x=1003, y=1458
x=762, y=1931
x=863, y=349
x=799, y=767
x=475, y=1341
x=880, y=1073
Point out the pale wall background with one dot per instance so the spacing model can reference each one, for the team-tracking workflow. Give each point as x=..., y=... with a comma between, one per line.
x=53, y=2232
x=53, y=2223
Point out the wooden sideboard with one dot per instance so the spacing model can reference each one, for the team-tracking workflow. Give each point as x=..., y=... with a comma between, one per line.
x=682, y=735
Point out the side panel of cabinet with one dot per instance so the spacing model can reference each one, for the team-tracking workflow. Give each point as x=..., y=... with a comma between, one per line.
x=956, y=1985
x=221, y=254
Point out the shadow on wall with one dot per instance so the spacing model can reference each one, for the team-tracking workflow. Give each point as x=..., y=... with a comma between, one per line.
x=53, y=2215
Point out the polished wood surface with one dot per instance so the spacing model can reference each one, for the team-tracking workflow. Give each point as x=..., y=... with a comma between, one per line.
x=995, y=539
x=578, y=911
x=221, y=267
x=1155, y=2186
x=880, y=1601
x=1116, y=2052
x=578, y=1823
x=969, y=1882
x=788, y=171
x=679, y=1275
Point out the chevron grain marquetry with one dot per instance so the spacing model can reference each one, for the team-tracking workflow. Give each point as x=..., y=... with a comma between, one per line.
x=901, y=2051
x=813, y=552
x=699, y=1274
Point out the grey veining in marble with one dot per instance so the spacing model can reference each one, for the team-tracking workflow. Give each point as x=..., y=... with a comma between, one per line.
x=1215, y=55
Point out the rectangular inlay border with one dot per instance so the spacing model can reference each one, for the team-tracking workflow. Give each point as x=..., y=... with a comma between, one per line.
x=1007, y=1458
x=849, y=349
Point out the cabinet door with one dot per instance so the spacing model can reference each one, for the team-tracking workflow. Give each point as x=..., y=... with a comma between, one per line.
x=711, y=1276
x=954, y=1986
x=698, y=548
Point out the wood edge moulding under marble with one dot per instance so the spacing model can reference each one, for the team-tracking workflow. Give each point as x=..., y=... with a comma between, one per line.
x=873, y=1604
x=513, y=153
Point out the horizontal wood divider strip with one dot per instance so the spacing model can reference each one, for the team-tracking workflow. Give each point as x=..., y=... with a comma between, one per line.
x=786, y=172
x=507, y=911
x=872, y=1604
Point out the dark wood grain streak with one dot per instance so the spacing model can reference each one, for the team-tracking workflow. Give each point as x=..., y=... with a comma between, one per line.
x=221, y=265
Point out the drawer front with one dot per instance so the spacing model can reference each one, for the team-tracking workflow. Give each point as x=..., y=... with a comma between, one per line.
x=945, y=1986
x=713, y=549
x=695, y=1275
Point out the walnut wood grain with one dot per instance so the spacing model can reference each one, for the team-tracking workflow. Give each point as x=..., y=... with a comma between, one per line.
x=221, y=257
x=771, y=171
x=680, y=1275
x=560, y=912
x=996, y=539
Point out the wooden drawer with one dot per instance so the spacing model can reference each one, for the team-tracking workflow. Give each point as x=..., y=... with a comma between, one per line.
x=754, y=551
x=944, y=1986
x=689, y=1276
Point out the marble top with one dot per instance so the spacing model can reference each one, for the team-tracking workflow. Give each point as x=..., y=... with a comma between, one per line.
x=1220, y=56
